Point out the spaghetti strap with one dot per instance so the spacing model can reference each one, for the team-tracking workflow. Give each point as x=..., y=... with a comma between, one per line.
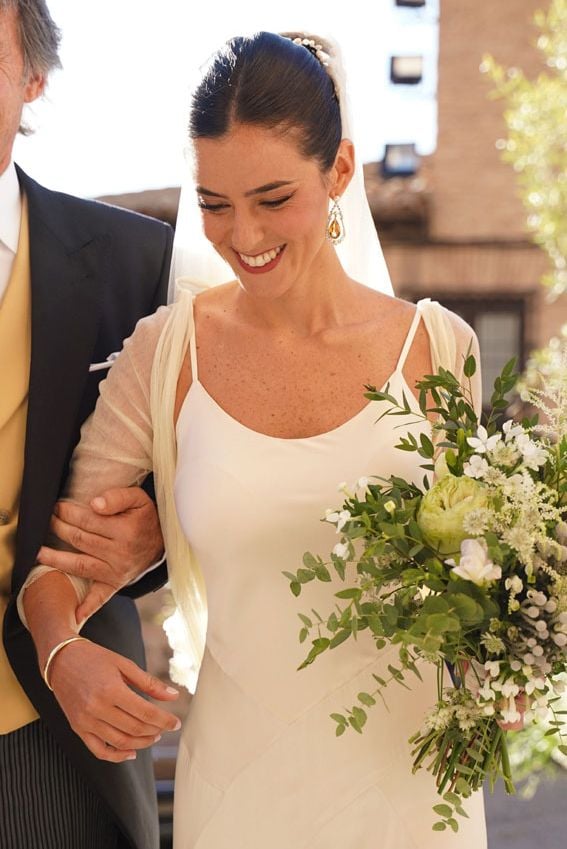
x=409, y=338
x=193, y=344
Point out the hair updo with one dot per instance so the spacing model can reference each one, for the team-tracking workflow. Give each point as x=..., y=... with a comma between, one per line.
x=268, y=80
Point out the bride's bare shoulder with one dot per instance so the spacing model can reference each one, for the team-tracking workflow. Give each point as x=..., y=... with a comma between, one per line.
x=386, y=309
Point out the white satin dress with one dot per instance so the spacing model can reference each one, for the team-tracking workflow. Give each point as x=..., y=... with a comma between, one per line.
x=259, y=765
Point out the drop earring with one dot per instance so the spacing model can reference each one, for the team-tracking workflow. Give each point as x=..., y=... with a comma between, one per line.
x=335, y=224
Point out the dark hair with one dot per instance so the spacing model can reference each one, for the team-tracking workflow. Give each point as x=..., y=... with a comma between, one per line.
x=39, y=36
x=269, y=80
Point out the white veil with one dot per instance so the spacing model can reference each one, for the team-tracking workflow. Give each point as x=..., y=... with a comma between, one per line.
x=197, y=266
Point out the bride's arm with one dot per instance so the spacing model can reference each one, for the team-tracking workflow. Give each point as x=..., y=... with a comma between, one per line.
x=90, y=682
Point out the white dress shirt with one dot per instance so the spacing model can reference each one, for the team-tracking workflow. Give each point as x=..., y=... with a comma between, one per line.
x=10, y=219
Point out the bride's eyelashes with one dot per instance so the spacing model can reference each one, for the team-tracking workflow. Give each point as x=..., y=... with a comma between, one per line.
x=276, y=202
x=211, y=207
x=219, y=207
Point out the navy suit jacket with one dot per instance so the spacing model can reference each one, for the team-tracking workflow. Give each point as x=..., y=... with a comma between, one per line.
x=95, y=270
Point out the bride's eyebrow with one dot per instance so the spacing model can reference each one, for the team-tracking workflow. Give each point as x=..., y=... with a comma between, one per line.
x=267, y=187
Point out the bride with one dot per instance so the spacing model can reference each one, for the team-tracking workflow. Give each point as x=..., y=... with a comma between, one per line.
x=246, y=400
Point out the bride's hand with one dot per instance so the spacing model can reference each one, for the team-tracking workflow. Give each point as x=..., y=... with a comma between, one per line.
x=116, y=539
x=94, y=689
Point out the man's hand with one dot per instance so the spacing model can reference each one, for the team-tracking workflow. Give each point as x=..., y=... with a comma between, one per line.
x=93, y=687
x=116, y=539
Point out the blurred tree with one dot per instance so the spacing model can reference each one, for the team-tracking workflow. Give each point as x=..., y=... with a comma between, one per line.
x=536, y=147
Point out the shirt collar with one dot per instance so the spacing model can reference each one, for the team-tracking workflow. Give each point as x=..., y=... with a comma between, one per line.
x=10, y=208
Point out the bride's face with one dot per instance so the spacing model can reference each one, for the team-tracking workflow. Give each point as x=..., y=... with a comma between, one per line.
x=264, y=207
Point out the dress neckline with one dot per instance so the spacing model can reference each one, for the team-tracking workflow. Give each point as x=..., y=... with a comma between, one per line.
x=398, y=371
x=197, y=386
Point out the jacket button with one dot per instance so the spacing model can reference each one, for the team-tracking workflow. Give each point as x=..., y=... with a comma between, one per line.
x=4, y=517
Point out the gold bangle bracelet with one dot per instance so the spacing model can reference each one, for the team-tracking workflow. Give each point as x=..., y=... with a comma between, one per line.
x=54, y=652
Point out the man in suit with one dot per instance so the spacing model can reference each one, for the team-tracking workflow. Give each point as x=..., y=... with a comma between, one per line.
x=75, y=276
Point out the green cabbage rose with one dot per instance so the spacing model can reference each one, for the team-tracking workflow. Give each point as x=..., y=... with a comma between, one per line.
x=444, y=508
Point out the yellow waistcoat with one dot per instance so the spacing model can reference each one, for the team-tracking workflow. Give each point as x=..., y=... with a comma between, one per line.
x=15, y=352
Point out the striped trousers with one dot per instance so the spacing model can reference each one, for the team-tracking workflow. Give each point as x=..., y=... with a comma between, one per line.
x=44, y=802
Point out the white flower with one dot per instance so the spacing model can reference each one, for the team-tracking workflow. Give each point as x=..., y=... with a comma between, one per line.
x=533, y=454
x=482, y=442
x=509, y=689
x=511, y=430
x=477, y=522
x=534, y=684
x=341, y=549
x=474, y=563
x=513, y=486
x=486, y=692
x=504, y=455
x=362, y=483
x=511, y=714
x=561, y=531
x=493, y=668
x=390, y=506
x=338, y=519
x=514, y=584
x=476, y=467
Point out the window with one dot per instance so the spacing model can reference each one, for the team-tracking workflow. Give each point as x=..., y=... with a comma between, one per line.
x=499, y=325
x=400, y=160
x=406, y=70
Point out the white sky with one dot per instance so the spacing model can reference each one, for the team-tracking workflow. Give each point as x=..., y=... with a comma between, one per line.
x=113, y=119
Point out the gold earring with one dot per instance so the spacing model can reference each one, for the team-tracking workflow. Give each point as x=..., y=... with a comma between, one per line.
x=335, y=224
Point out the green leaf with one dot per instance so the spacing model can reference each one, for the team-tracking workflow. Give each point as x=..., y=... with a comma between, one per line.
x=354, y=724
x=303, y=634
x=353, y=592
x=306, y=620
x=462, y=787
x=309, y=560
x=439, y=826
x=426, y=446
x=290, y=576
x=440, y=623
x=360, y=716
x=453, y=824
x=295, y=587
x=305, y=575
x=338, y=717
x=366, y=699
x=322, y=572
x=443, y=810
x=339, y=638
x=470, y=366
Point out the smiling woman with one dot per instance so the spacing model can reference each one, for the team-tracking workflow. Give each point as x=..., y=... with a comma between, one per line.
x=270, y=205
x=246, y=399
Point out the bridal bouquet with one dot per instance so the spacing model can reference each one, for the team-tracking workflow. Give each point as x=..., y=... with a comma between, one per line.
x=467, y=571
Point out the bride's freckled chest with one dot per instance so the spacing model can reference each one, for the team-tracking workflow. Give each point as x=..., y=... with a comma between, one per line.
x=286, y=387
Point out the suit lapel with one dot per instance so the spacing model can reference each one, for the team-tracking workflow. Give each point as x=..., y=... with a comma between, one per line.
x=66, y=271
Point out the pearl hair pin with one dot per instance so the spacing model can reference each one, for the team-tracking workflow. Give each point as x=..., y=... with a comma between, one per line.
x=314, y=48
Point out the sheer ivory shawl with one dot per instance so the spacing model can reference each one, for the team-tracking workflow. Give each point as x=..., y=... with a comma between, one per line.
x=132, y=433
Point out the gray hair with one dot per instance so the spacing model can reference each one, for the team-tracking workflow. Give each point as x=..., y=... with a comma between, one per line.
x=39, y=35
